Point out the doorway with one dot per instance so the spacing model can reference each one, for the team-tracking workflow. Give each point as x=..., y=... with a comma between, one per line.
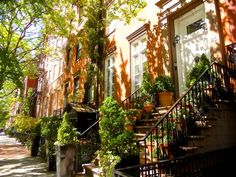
x=190, y=41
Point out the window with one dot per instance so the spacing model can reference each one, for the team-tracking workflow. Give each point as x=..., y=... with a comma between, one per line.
x=66, y=94
x=68, y=58
x=109, y=76
x=76, y=87
x=138, y=62
x=199, y=24
x=78, y=51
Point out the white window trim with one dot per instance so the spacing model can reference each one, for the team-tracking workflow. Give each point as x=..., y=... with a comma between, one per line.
x=138, y=53
x=110, y=80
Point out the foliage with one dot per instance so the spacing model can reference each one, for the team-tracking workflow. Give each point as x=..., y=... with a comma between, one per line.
x=163, y=83
x=108, y=162
x=27, y=103
x=201, y=64
x=49, y=129
x=95, y=15
x=147, y=86
x=114, y=138
x=24, y=128
x=18, y=39
x=25, y=124
x=67, y=134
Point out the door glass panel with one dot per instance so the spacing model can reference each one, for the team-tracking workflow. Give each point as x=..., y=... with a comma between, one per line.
x=195, y=26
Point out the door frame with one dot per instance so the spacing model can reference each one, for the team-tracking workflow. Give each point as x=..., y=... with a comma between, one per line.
x=171, y=31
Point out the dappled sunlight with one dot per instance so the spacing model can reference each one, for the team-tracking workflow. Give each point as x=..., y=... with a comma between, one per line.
x=228, y=14
x=157, y=54
x=122, y=83
x=24, y=166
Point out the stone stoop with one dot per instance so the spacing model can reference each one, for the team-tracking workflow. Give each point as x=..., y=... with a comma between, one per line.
x=90, y=170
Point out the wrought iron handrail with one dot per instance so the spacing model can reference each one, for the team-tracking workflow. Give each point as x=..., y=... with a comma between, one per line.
x=84, y=141
x=172, y=130
x=215, y=164
x=131, y=100
x=125, y=104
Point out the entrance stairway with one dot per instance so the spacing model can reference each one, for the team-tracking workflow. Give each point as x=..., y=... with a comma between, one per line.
x=200, y=121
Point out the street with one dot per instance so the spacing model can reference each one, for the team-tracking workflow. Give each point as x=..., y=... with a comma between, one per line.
x=15, y=160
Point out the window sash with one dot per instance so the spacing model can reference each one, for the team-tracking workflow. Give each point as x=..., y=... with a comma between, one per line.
x=138, y=62
x=109, y=75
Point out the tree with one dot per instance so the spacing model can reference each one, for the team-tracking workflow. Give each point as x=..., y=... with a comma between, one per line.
x=20, y=24
x=97, y=15
x=7, y=102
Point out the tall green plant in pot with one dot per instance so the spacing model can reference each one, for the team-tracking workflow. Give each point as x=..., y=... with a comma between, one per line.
x=116, y=142
x=66, y=147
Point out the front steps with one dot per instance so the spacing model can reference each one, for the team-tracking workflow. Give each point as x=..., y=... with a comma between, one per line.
x=216, y=130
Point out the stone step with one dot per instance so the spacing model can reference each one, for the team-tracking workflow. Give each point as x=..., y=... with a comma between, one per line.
x=142, y=129
x=139, y=136
x=147, y=122
x=92, y=170
x=189, y=149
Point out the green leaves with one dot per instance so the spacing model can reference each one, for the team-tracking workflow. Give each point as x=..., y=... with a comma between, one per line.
x=67, y=134
x=19, y=39
x=114, y=137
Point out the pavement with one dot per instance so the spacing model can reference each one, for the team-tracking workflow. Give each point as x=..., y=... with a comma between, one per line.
x=15, y=160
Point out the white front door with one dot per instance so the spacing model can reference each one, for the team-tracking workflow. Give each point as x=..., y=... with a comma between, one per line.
x=190, y=41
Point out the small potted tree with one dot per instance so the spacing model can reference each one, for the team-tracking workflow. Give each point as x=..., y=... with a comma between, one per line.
x=66, y=147
x=117, y=144
x=165, y=90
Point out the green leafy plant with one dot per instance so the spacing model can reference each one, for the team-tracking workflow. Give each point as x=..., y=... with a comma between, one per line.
x=115, y=140
x=67, y=134
x=24, y=128
x=163, y=83
x=108, y=162
x=147, y=86
x=49, y=129
x=201, y=64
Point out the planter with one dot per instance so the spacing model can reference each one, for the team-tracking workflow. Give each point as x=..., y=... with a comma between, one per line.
x=147, y=108
x=165, y=98
x=65, y=160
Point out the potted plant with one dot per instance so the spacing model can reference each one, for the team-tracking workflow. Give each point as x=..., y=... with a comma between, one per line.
x=115, y=140
x=148, y=106
x=165, y=90
x=130, y=119
x=66, y=147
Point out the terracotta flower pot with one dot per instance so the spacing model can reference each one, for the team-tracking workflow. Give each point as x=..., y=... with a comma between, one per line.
x=165, y=98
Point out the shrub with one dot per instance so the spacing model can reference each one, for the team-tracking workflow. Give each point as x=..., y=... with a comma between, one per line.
x=115, y=140
x=25, y=128
x=67, y=134
x=201, y=64
x=163, y=83
x=49, y=129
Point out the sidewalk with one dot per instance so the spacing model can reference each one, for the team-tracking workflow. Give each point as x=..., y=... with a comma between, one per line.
x=15, y=160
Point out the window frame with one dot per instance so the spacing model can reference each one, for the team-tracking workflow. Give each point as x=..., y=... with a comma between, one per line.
x=109, y=81
x=78, y=51
x=138, y=54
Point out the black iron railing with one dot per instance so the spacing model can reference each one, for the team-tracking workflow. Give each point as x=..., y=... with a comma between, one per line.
x=171, y=132
x=135, y=100
x=89, y=143
x=210, y=164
